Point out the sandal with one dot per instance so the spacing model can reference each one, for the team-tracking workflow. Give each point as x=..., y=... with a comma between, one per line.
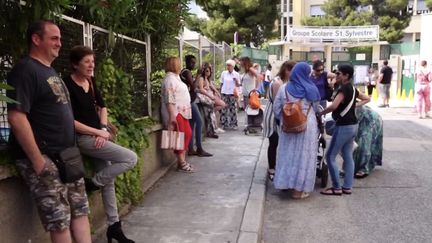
x=332, y=192
x=303, y=195
x=360, y=175
x=347, y=191
x=185, y=167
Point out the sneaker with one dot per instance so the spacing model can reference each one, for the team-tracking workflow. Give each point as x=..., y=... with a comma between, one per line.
x=219, y=130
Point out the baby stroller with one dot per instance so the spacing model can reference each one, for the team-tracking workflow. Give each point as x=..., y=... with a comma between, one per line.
x=322, y=168
x=255, y=119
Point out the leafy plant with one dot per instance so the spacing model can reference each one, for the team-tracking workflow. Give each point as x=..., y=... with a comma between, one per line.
x=4, y=86
x=116, y=87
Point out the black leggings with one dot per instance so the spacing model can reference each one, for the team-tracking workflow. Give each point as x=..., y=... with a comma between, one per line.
x=272, y=149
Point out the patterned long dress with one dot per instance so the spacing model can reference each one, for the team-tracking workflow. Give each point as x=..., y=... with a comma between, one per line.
x=369, y=139
x=228, y=115
x=297, y=153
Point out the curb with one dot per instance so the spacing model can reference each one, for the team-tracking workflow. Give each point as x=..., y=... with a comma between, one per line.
x=253, y=217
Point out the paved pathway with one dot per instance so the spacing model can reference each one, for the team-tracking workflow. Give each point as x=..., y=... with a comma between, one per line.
x=392, y=205
x=204, y=207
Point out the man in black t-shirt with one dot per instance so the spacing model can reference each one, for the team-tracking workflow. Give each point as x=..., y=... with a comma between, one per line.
x=384, y=82
x=42, y=123
x=195, y=122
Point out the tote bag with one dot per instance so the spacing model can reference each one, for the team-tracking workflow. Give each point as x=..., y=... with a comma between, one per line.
x=172, y=140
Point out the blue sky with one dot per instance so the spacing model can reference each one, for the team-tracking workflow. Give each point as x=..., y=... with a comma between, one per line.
x=197, y=10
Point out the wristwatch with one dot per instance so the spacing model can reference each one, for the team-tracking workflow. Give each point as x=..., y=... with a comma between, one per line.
x=104, y=127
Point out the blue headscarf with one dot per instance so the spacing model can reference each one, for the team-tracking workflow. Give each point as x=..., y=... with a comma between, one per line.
x=300, y=86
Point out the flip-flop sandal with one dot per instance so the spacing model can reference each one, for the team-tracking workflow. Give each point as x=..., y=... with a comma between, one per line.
x=347, y=191
x=331, y=192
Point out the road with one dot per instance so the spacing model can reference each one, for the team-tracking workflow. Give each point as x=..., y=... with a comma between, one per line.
x=393, y=204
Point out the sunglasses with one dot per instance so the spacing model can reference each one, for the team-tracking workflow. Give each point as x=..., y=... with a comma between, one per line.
x=319, y=70
x=338, y=73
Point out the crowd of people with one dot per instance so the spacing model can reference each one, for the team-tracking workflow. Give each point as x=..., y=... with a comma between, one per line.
x=53, y=115
x=292, y=156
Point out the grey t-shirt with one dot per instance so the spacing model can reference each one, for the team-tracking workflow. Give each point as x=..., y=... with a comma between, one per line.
x=248, y=83
x=43, y=96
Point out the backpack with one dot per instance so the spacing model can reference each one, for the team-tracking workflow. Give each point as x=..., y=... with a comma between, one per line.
x=294, y=120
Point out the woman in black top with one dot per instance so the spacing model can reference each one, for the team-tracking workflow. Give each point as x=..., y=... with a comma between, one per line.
x=91, y=119
x=343, y=108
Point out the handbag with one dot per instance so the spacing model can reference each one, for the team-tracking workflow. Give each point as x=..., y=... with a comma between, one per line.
x=111, y=128
x=205, y=100
x=69, y=164
x=236, y=92
x=172, y=140
x=254, y=100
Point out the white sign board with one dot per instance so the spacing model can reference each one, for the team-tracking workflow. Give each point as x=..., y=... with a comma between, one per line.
x=351, y=33
x=360, y=74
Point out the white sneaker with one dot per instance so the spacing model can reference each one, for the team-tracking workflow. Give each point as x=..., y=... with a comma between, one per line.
x=219, y=130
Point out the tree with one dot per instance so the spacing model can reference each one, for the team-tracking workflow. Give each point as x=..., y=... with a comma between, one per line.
x=390, y=15
x=252, y=19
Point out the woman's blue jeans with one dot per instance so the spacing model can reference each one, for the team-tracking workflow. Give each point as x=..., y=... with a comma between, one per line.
x=342, y=142
x=196, y=123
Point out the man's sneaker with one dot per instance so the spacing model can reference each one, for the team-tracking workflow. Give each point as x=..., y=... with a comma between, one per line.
x=213, y=136
x=203, y=153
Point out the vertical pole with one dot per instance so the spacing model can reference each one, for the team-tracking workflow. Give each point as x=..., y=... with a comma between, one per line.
x=148, y=72
x=200, y=50
x=214, y=60
x=181, y=48
x=223, y=51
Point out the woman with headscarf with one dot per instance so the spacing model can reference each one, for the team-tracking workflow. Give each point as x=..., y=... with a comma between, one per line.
x=270, y=128
x=297, y=152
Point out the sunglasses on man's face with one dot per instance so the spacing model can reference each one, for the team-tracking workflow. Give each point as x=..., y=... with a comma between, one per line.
x=319, y=70
x=338, y=73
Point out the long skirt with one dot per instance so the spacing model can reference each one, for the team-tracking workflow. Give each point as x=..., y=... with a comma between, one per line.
x=296, y=158
x=228, y=117
x=210, y=119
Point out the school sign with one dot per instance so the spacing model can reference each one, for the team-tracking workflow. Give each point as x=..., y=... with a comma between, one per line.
x=334, y=33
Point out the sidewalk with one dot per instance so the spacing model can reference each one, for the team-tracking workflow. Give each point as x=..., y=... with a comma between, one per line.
x=207, y=206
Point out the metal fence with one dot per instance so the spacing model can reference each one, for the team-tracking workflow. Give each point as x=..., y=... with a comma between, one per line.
x=132, y=55
x=205, y=51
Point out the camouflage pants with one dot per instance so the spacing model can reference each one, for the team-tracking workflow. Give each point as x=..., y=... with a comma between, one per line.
x=56, y=202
